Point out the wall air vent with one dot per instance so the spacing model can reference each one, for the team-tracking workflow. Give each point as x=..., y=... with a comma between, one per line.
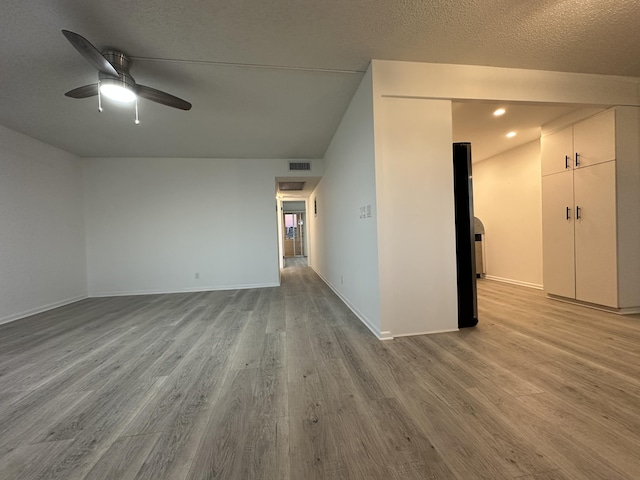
x=300, y=166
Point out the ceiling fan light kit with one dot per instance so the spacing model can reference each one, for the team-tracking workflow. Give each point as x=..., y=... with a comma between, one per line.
x=121, y=89
x=116, y=91
x=114, y=80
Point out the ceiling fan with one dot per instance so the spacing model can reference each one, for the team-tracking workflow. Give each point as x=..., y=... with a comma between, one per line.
x=114, y=79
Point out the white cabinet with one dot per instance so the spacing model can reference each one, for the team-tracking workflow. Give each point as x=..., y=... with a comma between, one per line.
x=558, y=259
x=590, y=210
x=595, y=234
x=586, y=143
x=557, y=151
x=579, y=211
x=594, y=140
x=579, y=234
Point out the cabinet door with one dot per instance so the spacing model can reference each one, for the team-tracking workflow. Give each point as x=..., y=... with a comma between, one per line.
x=557, y=151
x=595, y=231
x=558, y=267
x=594, y=139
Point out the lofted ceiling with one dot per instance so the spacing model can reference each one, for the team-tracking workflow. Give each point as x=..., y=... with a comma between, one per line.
x=272, y=78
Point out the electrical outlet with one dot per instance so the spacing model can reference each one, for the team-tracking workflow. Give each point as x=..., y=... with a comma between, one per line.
x=197, y=275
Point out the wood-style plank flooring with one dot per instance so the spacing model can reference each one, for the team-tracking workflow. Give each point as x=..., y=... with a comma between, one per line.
x=285, y=383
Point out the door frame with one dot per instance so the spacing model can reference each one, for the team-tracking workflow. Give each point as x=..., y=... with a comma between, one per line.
x=280, y=226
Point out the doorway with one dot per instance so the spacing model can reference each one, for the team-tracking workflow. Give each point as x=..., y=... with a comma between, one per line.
x=294, y=242
x=507, y=185
x=293, y=234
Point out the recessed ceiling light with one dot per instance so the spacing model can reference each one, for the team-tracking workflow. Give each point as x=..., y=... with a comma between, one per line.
x=499, y=112
x=511, y=134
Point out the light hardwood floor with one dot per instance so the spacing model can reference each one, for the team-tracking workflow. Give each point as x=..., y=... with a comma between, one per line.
x=285, y=383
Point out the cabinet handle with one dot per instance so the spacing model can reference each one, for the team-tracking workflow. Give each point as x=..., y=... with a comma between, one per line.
x=577, y=212
x=577, y=159
x=566, y=161
x=568, y=215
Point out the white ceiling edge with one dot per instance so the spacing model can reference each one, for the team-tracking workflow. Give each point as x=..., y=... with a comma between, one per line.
x=472, y=82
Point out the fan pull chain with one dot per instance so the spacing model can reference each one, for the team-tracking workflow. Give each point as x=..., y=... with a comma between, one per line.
x=137, y=122
x=99, y=98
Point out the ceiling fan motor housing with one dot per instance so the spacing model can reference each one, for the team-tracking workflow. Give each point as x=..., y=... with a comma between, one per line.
x=123, y=80
x=121, y=63
x=119, y=60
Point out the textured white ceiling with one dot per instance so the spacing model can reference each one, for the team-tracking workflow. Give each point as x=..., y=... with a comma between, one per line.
x=283, y=106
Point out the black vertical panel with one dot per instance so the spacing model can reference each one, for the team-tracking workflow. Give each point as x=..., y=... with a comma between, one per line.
x=465, y=236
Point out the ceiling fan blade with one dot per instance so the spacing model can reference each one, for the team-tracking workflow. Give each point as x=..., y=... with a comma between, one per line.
x=162, y=97
x=83, y=92
x=91, y=53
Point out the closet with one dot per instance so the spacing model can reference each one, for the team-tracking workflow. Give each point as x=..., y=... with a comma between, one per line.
x=590, y=205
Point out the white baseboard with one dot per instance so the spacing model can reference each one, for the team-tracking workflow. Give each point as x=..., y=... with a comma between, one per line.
x=618, y=311
x=363, y=318
x=628, y=310
x=44, y=308
x=430, y=332
x=385, y=336
x=513, y=282
x=184, y=290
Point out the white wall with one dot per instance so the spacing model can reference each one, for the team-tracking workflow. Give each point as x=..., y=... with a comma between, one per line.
x=628, y=199
x=507, y=198
x=416, y=228
x=343, y=248
x=153, y=223
x=42, y=250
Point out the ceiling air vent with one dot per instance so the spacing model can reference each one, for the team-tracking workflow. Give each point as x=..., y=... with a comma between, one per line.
x=290, y=186
x=299, y=166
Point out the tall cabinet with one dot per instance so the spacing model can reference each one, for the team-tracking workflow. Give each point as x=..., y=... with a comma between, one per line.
x=591, y=210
